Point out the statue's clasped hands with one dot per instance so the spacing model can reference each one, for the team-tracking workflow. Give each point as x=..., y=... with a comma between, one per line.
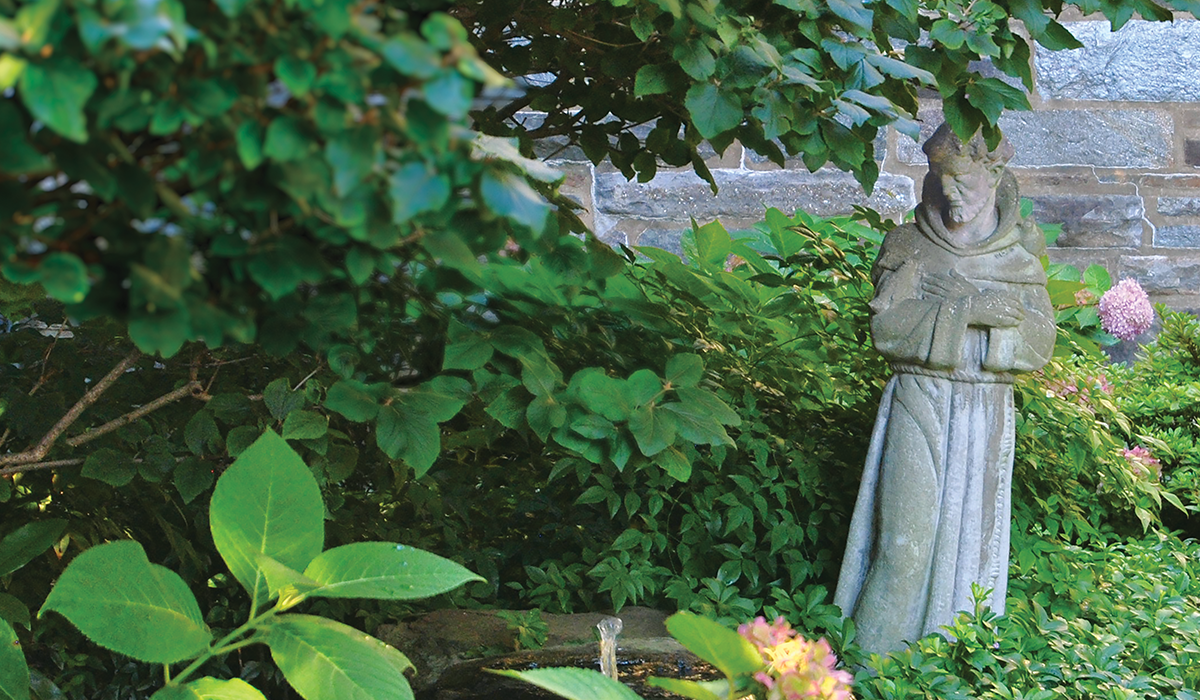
x=989, y=308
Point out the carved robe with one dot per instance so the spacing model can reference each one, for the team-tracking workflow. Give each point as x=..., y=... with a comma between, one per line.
x=932, y=515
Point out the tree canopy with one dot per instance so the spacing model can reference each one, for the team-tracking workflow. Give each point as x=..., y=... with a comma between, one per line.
x=243, y=170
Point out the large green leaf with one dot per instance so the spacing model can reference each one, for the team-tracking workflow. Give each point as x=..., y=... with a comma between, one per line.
x=384, y=571
x=210, y=689
x=122, y=602
x=575, y=683
x=513, y=198
x=20, y=546
x=55, y=93
x=713, y=111
x=416, y=188
x=14, y=674
x=268, y=503
x=729, y=651
x=326, y=660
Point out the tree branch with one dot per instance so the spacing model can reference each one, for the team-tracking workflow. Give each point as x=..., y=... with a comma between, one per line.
x=190, y=389
x=36, y=453
x=40, y=465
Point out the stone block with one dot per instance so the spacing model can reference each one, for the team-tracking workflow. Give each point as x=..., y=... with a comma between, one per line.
x=1162, y=275
x=1143, y=62
x=673, y=197
x=1177, y=237
x=1108, y=138
x=1179, y=206
x=1092, y=221
x=1191, y=152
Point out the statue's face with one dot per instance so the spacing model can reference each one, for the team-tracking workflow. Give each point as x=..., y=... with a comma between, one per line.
x=968, y=187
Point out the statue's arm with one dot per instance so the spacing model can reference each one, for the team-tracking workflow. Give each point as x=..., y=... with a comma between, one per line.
x=911, y=326
x=1027, y=346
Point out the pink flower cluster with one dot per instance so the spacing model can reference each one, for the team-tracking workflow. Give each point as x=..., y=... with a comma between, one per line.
x=1125, y=310
x=1078, y=389
x=1141, y=463
x=797, y=669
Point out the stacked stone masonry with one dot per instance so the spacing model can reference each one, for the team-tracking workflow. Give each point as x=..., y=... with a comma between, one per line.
x=1111, y=152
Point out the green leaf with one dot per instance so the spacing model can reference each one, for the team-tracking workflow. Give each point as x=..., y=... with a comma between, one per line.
x=13, y=611
x=249, y=137
x=412, y=56
x=948, y=34
x=1096, y=277
x=202, y=435
x=708, y=402
x=675, y=464
x=574, y=683
x=64, y=277
x=109, y=466
x=210, y=689
x=449, y=93
x=296, y=74
x=193, y=477
x=466, y=350
x=326, y=660
x=351, y=156
x=651, y=80
x=685, y=369
x=14, y=673
x=286, y=140
x=55, y=92
x=122, y=602
x=18, y=156
x=384, y=571
x=710, y=690
x=729, y=651
x=1058, y=38
x=695, y=59
x=512, y=197
x=653, y=429
x=232, y=8
x=357, y=401
x=305, y=425
x=280, y=577
x=697, y=425
x=391, y=431
x=416, y=188
x=853, y=12
x=267, y=502
x=713, y=112
x=281, y=400
x=20, y=546
x=900, y=70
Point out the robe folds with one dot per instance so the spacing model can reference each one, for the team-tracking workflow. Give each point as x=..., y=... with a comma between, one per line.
x=932, y=515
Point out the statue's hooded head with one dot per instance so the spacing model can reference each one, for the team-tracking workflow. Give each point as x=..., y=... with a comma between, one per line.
x=968, y=173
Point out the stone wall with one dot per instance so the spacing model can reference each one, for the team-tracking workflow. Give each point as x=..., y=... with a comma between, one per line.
x=1111, y=151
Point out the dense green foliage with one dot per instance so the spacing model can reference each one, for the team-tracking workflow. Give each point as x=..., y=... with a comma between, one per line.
x=1113, y=621
x=312, y=217
x=267, y=521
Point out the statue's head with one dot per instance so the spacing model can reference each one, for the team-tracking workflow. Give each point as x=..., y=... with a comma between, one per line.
x=969, y=173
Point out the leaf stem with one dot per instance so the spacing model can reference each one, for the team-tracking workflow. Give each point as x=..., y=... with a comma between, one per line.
x=227, y=644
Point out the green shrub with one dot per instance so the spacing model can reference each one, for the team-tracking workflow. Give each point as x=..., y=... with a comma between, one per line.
x=1115, y=621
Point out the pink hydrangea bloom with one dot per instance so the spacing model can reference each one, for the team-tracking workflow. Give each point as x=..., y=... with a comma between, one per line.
x=1084, y=297
x=1125, y=310
x=797, y=669
x=1142, y=463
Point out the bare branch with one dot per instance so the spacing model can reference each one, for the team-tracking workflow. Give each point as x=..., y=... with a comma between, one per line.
x=36, y=453
x=9, y=471
x=188, y=389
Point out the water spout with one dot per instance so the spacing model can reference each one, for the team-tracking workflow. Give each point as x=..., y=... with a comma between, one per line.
x=609, y=628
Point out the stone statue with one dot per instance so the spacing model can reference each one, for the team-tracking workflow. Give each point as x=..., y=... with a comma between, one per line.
x=960, y=306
